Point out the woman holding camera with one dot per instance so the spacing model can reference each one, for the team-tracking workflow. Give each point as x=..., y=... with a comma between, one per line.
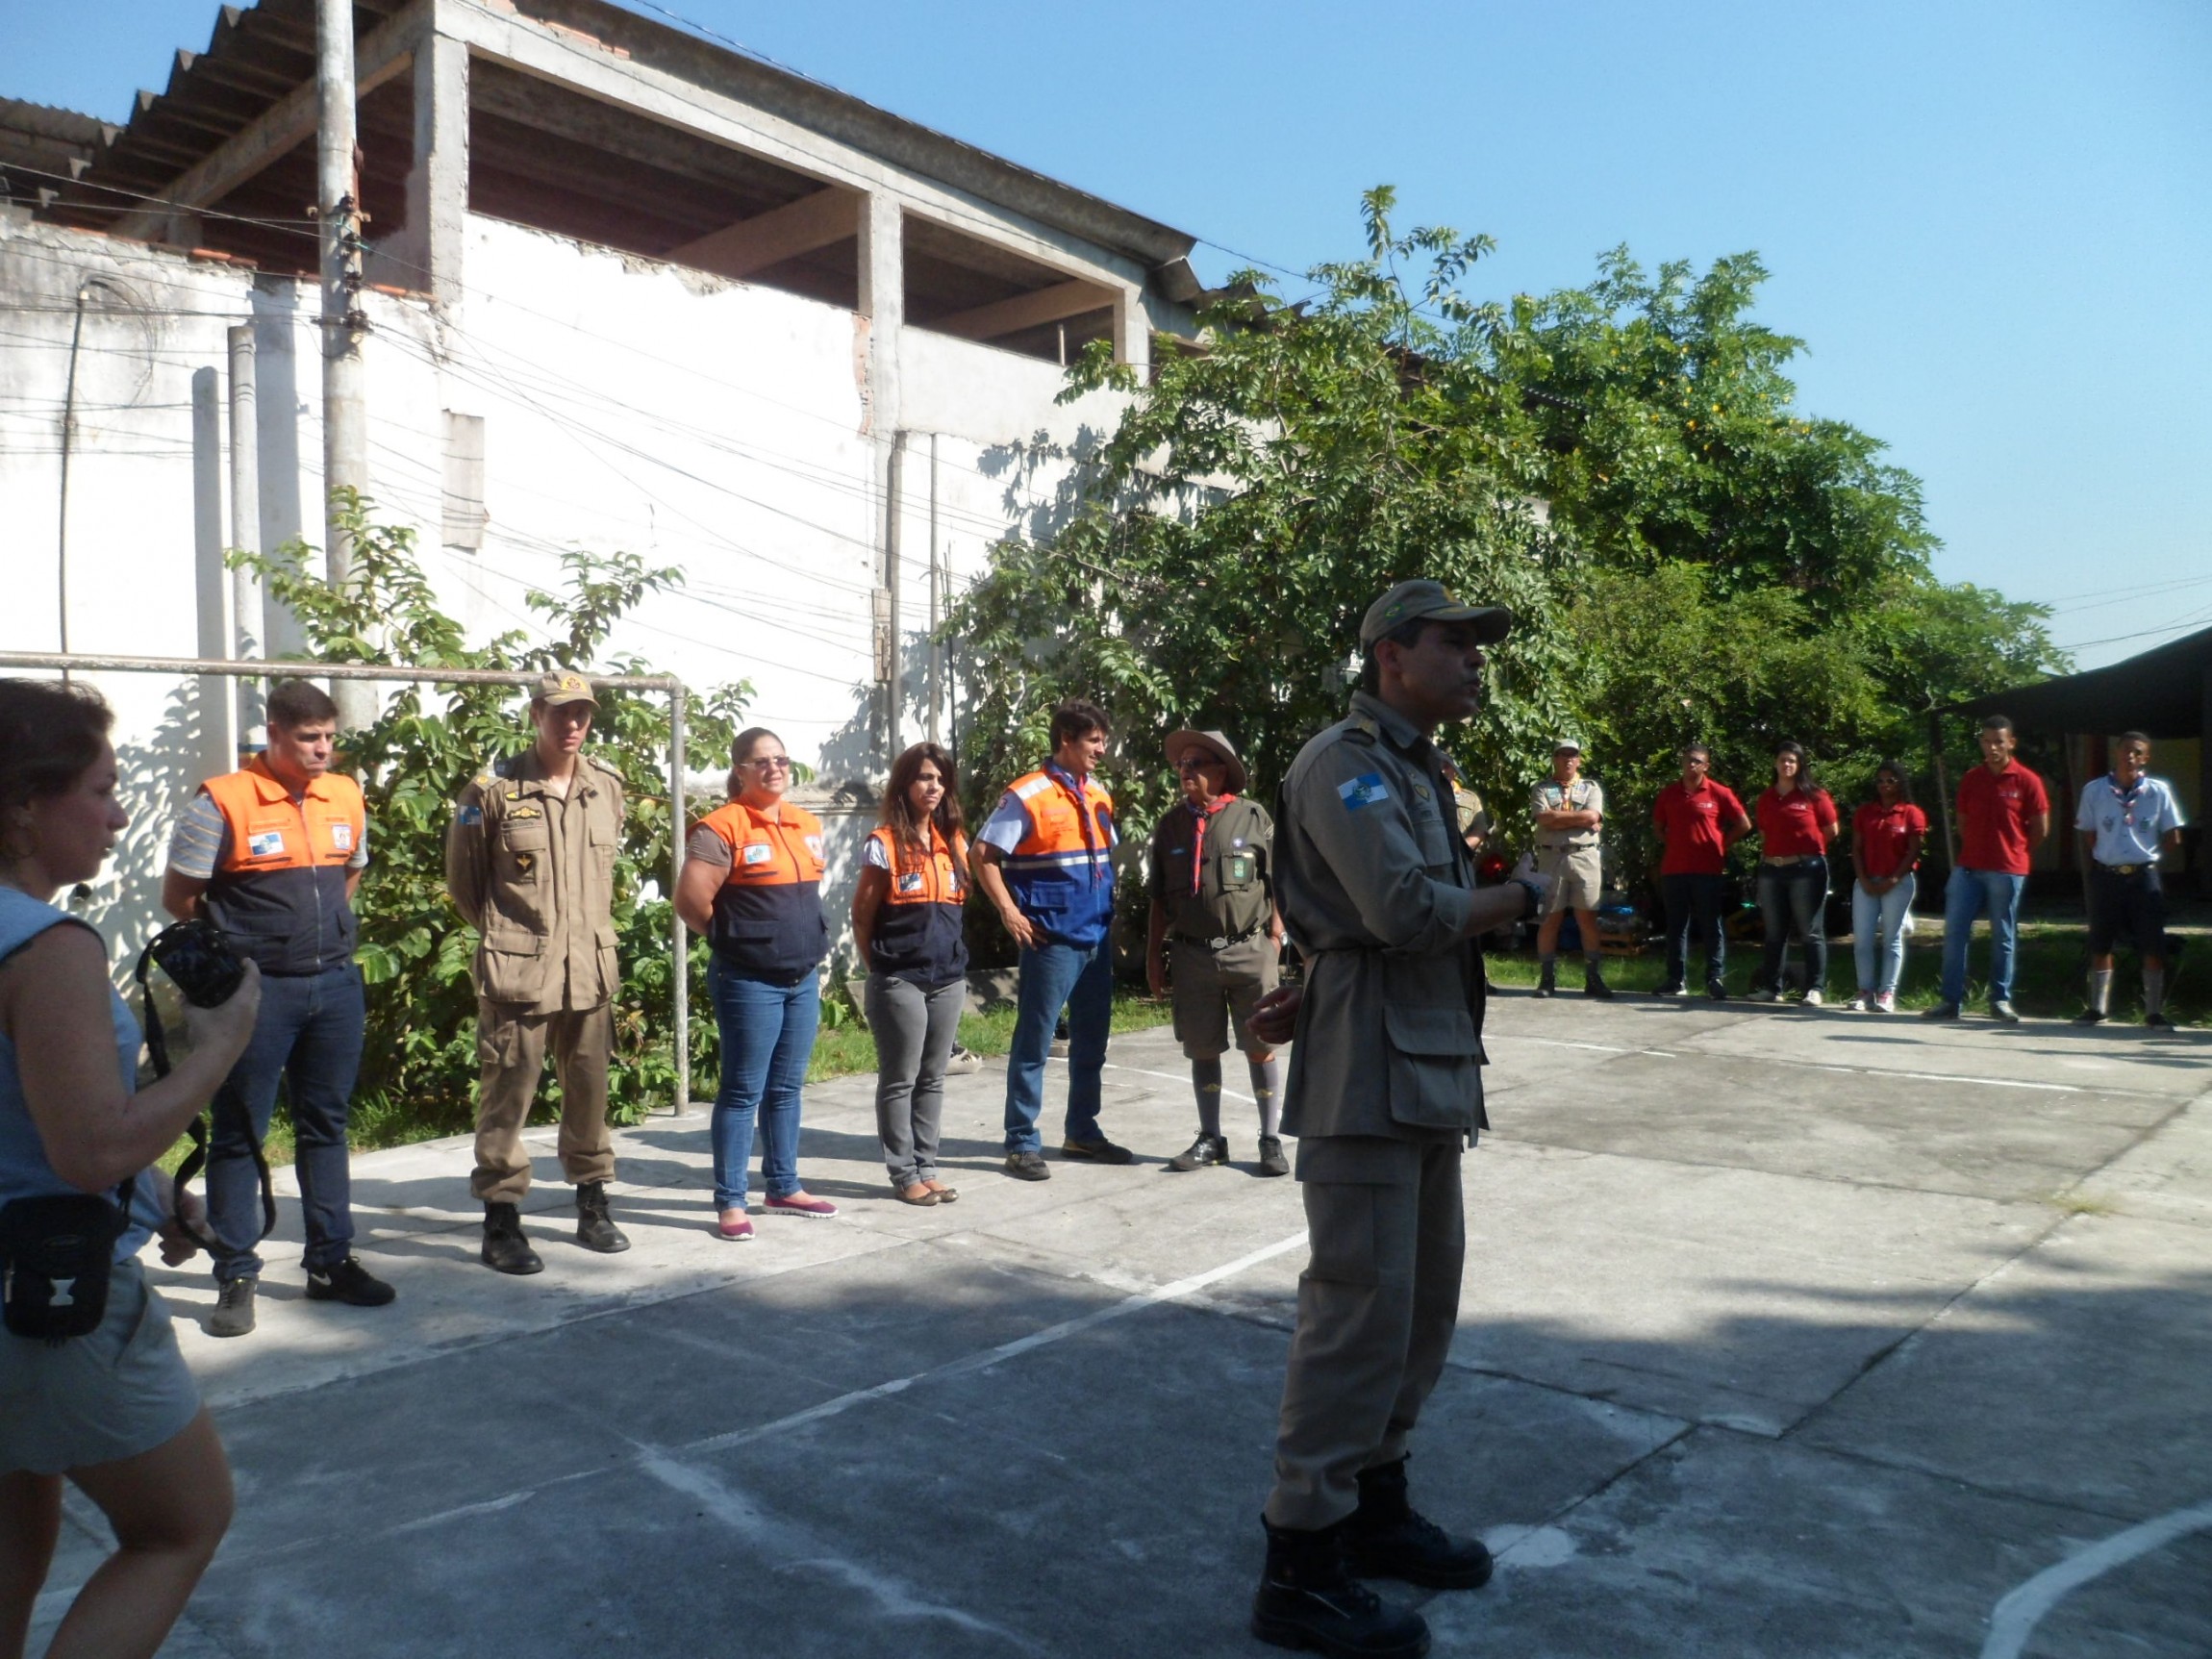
x=114, y=1410
x=907, y=931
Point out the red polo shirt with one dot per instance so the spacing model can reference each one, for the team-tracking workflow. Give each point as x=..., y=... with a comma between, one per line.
x=1695, y=824
x=1993, y=810
x=1796, y=825
x=1880, y=832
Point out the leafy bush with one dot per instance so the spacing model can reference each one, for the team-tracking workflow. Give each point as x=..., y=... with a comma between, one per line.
x=419, y=1069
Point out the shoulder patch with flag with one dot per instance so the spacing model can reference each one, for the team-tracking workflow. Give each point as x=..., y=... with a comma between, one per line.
x=1364, y=791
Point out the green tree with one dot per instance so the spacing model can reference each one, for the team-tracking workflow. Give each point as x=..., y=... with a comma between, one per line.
x=419, y=1066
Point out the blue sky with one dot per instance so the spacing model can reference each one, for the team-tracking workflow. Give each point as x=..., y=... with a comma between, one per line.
x=1992, y=223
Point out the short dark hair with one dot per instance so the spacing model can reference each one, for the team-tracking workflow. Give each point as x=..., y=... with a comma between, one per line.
x=49, y=733
x=1077, y=717
x=1999, y=724
x=1406, y=635
x=298, y=703
x=2143, y=737
x=1688, y=749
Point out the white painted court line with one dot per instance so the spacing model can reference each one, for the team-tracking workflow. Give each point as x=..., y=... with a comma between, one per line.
x=2020, y=1610
x=1227, y=1092
x=1800, y=1065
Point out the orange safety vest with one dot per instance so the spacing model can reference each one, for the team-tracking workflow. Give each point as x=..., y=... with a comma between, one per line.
x=278, y=892
x=767, y=918
x=918, y=935
x=1061, y=871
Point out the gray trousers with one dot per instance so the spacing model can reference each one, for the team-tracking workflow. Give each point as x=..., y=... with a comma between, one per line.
x=1377, y=1305
x=914, y=1031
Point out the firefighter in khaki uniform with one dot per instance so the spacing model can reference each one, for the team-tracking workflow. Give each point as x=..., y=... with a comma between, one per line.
x=1377, y=892
x=530, y=861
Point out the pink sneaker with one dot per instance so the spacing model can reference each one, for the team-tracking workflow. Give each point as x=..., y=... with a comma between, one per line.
x=803, y=1204
x=1885, y=1002
x=735, y=1225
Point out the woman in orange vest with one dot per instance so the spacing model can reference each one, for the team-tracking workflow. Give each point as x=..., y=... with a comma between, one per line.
x=752, y=884
x=907, y=929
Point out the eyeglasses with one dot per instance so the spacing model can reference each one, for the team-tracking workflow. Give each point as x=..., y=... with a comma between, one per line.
x=1189, y=764
x=769, y=763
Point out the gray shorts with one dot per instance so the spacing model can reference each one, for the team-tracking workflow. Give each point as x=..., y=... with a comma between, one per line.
x=115, y=1393
x=1578, y=876
x=1212, y=989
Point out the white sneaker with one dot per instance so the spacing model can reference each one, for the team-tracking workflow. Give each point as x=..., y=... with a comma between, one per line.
x=1885, y=1002
x=1765, y=993
x=1814, y=999
x=1860, y=1004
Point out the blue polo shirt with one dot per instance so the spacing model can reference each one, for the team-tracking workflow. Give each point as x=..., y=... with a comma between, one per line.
x=2129, y=825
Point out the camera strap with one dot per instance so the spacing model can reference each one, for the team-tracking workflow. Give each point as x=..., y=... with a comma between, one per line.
x=196, y=1160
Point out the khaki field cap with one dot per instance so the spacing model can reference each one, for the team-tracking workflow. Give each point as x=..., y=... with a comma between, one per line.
x=1215, y=745
x=1409, y=600
x=1567, y=747
x=563, y=685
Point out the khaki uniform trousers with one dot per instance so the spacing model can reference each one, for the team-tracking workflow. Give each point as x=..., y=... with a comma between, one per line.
x=1377, y=1306
x=511, y=1040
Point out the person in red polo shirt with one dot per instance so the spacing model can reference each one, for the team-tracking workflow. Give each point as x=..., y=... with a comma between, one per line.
x=1796, y=822
x=1698, y=820
x=2003, y=814
x=1886, y=835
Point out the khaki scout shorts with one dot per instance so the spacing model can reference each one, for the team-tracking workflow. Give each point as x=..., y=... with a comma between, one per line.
x=1209, y=988
x=1576, y=876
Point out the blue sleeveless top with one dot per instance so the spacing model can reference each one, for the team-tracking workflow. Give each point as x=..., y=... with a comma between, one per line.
x=24, y=1170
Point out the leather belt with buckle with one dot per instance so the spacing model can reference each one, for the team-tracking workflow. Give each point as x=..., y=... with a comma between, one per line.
x=2127, y=868
x=1221, y=944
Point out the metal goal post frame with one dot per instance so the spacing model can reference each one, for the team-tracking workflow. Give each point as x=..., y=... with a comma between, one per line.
x=271, y=668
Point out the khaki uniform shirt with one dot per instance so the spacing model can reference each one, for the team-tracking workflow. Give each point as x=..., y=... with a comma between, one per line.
x=535, y=871
x=1582, y=795
x=1235, y=886
x=1375, y=886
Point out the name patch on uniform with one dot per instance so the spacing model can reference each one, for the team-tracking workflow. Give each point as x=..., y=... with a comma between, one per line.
x=759, y=852
x=1364, y=791
x=815, y=844
x=910, y=882
x=269, y=843
x=342, y=836
x=468, y=815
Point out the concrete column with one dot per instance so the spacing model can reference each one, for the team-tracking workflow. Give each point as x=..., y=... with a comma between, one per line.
x=1132, y=331
x=218, y=744
x=883, y=303
x=426, y=256
x=248, y=629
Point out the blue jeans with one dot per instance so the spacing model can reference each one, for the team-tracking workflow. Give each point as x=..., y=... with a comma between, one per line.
x=1052, y=977
x=1885, y=916
x=767, y=1038
x=309, y=1036
x=1970, y=894
x=1794, y=897
x=1695, y=901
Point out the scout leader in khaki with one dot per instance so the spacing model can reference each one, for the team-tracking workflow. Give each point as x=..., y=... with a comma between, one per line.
x=1377, y=892
x=530, y=861
x=1215, y=935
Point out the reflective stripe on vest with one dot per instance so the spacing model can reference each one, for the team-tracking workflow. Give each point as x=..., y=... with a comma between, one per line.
x=1062, y=872
x=278, y=892
x=768, y=916
x=918, y=933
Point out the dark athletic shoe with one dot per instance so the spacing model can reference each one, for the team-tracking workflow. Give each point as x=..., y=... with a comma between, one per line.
x=234, y=1315
x=1028, y=1166
x=1386, y=1538
x=595, y=1229
x=2088, y=1016
x=504, y=1249
x=1714, y=989
x=2003, y=1013
x=1272, y=1159
x=1307, y=1599
x=1674, y=989
x=2157, y=1022
x=350, y=1283
x=1941, y=1011
x=1204, y=1150
x=1096, y=1151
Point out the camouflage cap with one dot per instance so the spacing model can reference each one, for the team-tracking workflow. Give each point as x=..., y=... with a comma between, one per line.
x=562, y=686
x=1411, y=601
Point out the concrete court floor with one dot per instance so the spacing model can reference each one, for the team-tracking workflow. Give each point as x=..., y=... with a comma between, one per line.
x=1784, y=1334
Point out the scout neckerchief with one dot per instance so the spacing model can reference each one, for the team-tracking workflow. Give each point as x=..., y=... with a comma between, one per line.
x=1199, y=840
x=1067, y=781
x=2126, y=797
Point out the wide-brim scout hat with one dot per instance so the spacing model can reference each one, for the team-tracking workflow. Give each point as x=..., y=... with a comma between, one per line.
x=1216, y=745
x=562, y=686
x=1425, y=600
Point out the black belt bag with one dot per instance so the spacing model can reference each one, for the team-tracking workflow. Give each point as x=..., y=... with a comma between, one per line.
x=57, y=1253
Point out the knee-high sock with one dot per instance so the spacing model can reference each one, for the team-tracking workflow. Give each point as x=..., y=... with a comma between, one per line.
x=2100, y=989
x=1206, y=1083
x=2153, y=990
x=1267, y=1090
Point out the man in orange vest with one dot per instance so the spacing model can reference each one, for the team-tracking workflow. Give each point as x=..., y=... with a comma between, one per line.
x=271, y=854
x=1044, y=860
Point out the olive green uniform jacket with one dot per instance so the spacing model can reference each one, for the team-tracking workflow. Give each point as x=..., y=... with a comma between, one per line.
x=1375, y=886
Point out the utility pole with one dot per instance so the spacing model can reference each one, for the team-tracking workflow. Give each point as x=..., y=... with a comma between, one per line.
x=344, y=379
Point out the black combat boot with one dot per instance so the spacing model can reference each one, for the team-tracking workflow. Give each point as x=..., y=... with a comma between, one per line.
x=595, y=1229
x=1307, y=1599
x=1547, y=979
x=504, y=1249
x=1594, y=982
x=1386, y=1538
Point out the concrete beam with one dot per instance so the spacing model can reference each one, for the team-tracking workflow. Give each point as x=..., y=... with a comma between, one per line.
x=426, y=253
x=388, y=49
x=828, y=216
x=1028, y=310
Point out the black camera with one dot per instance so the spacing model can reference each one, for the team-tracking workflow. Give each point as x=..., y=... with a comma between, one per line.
x=196, y=956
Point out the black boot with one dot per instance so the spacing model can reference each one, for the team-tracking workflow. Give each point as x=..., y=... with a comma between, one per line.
x=595, y=1229
x=1547, y=979
x=1594, y=982
x=1307, y=1599
x=1386, y=1538
x=504, y=1249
